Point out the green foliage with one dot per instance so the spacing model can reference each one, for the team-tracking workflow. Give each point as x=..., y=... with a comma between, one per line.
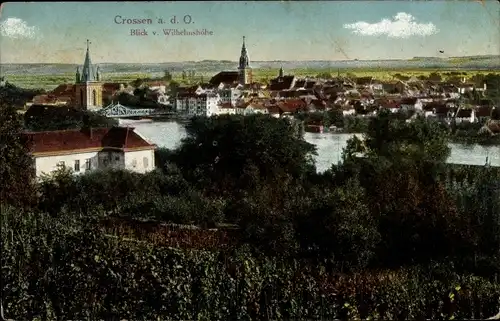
x=354, y=124
x=234, y=152
x=397, y=140
x=62, y=269
x=495, y=113
x=324, y=75
x=167, y=75
x=17, y=97
x=434, y=77
x=339, y=226
x=16, y=165
x=41, y=118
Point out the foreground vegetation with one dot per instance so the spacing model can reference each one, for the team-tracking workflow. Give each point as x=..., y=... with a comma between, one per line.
x=394, y=234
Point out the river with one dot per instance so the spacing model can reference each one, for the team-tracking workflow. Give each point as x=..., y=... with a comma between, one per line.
x=168, y=134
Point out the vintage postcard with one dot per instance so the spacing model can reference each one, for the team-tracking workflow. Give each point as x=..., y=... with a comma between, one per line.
x=257, y=160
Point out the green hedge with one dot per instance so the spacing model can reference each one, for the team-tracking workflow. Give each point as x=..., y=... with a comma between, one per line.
x=61, y=269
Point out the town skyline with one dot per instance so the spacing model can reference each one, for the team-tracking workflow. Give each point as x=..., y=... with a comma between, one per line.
x=330, y=31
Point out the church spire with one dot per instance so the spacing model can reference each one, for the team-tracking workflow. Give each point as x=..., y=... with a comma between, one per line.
x=243, y=56
x=78, y=74
x=87, y=71
x=281, y=72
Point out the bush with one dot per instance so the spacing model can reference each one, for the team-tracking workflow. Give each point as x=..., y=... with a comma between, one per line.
x=58, y=269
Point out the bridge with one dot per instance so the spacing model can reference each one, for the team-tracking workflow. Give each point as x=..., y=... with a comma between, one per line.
x=119, y=111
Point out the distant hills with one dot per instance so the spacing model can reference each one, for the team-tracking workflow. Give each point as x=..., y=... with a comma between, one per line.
x=209, y=66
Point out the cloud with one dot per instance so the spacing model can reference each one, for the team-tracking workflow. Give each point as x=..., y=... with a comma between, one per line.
x=17, y=28
x=402, y=25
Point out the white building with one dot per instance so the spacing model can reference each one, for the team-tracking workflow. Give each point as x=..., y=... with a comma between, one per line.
x=411, y=104
x=230, y=94
x=88, y=149
x=197, y=104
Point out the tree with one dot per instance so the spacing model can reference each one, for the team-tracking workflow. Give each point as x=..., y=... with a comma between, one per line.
x=435, y=76
x=137, y=83
x=324, y=75
x=403, y=160
x=16, y=96
x=495, y=113
x=17, y=173
x=167, y=75
x=395, y=139
x=173, y=88
x=235, y=152
x=401, y=77
x=60, y=118
x=339, y=225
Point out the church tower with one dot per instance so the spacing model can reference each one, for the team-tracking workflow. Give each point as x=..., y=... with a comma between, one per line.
x=88, y=88
x=244, y=70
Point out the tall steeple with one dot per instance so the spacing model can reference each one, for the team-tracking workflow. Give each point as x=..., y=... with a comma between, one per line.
x=244, y=56
x=244, y=70
x=281, y=72
x=88, y=73
x=78, y=76
x=88, y=87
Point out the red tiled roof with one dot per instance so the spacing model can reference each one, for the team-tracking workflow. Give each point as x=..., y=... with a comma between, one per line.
x=318, y=103
x=227, y=77
x=155, y=83
x=43, y=99
x=74, y=140
x=409, y=101
x=494, y=127
x=282, y=83
x=363, y=80
x=291, y=106
x=389, y=104
x=483, y=111
x=226, y=106
x=436, y=105
x=464, y=113
x=274, y=109
x=111, y=86
x=65, y=89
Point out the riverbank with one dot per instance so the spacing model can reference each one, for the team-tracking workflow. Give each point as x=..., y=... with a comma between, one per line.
x=168, y=134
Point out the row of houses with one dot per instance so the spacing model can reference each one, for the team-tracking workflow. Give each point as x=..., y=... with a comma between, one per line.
x=363, y=97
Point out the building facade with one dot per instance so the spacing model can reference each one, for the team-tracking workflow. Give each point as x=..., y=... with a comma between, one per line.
x=90, y=149
x=197, y=104
x=88, y=87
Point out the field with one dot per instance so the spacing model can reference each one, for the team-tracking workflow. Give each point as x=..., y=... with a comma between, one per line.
x=50, y=81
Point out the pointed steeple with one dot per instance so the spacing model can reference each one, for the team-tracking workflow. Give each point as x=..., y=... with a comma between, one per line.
x=78, y=74
x=87, y=71
x=281, y=72
x=243, y=56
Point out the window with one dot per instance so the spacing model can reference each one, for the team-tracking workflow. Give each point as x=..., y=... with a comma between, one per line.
x=94, y=98
x=77, y=165
x=134, y=163
x=117, y=158
x=145, y=160
x=88, y=164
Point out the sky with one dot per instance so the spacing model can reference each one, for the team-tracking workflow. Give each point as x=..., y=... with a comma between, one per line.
x=53, y=32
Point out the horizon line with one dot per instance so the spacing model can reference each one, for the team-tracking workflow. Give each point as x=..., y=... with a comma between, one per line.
x=255, y=61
